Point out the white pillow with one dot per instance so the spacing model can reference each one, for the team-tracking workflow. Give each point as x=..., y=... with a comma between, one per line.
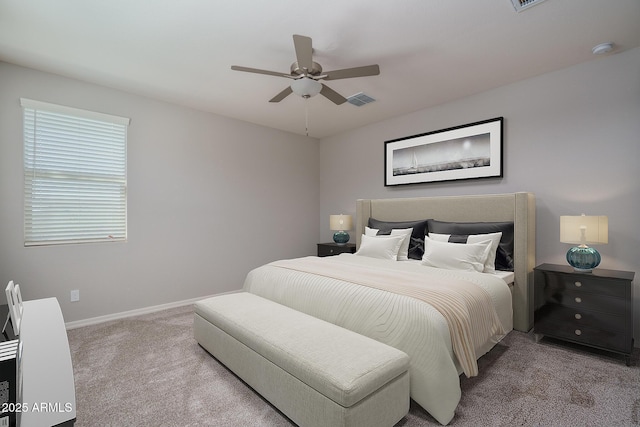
x=456, y=256
x=370, y=231
x=385, y=247
x=403, y=253
x=490, y=263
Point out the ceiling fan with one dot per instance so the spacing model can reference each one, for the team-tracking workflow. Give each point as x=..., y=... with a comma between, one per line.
x=306, y=74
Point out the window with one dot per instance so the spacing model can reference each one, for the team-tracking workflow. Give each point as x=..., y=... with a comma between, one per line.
x=75, y=175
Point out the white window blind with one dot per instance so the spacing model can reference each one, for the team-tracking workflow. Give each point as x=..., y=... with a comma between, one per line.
x=75, y=175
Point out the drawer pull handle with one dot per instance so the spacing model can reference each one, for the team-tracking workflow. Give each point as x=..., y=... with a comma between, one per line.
x=578, y=284
x=578, y=316
x=578, y=300
x=578, y=332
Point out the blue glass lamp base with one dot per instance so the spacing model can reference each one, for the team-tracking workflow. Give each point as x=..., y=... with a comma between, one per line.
x=583, y=259
x=341, y=237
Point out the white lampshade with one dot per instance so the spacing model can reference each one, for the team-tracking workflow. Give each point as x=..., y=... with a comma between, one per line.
x=306, y=87
x=340, y=222
x=583, y=229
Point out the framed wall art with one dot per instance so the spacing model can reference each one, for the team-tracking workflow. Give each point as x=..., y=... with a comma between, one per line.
x=463, y=152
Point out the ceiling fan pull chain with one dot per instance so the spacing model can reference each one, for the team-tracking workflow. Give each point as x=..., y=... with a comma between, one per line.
x=306, y=115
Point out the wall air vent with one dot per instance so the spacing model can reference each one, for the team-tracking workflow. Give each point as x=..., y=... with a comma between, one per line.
x=521, y=5
x=360, y=99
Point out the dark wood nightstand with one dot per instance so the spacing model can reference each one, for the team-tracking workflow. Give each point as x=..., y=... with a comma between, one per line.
x=330, y=249
x=593, y=309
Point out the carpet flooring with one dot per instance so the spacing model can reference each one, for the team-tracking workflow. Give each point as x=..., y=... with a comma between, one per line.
x=149, y=371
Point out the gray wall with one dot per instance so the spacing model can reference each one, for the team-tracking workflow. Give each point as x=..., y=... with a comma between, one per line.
x=209, y=198
x=572, y=137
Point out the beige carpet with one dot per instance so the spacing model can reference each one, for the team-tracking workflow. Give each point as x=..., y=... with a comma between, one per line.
x=149, y=371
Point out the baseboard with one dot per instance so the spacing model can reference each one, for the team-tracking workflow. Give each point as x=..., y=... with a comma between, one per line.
x=137, y=312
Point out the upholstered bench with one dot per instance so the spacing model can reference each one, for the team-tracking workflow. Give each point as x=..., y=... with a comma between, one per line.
x=316, y=373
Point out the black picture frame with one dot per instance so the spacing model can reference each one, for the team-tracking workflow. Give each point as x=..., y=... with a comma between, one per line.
x=469, y=151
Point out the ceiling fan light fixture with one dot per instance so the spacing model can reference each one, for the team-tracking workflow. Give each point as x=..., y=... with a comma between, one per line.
x=306, y=87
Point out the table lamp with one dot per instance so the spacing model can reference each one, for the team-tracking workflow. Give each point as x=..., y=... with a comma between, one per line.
x=339, y=224
x=584, y=230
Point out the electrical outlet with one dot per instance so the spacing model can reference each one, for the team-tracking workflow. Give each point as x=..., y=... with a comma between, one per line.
x=75, y=295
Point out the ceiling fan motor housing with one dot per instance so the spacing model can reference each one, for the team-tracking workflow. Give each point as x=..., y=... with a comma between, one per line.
x=315, y=70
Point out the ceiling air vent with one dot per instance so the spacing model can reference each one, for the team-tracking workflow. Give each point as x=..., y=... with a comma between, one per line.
x=360, y=99
x=521, y=5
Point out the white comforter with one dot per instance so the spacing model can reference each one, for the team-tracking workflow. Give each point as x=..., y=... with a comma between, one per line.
x=403, y=322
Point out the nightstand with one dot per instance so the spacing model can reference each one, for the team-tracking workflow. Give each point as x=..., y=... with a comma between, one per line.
x=593, y=309
x=330, y=249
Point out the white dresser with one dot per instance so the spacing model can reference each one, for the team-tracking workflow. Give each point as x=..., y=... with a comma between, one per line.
x=48, y=390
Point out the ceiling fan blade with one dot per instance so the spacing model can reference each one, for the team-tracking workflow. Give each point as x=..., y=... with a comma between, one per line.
x=332, y=95
x=282, y=95
x=304, y=51
x=347, y=73
x=258, y=71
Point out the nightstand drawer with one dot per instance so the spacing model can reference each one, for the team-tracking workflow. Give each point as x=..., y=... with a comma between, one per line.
x=586, y=283
x=552, y=316
x=330, y=249
x=595, y=337
x=588, y=301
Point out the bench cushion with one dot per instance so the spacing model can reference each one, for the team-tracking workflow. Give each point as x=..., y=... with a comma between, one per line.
x=340, y=364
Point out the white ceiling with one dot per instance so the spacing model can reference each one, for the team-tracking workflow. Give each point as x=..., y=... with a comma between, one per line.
x=429, y=51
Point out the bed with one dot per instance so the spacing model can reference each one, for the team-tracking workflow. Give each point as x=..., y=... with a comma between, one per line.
x=385, y=298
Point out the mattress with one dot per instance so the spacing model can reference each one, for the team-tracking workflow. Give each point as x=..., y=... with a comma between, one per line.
x=409, y=324
x=507, y=276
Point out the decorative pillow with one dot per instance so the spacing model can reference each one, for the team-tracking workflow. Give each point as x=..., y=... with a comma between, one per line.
x=489, y=264
x=404, y=248
x=370, y=231
x=385, y=247
x=416, y=244
x=504, y=254
x=453, y=256
x=403, y=253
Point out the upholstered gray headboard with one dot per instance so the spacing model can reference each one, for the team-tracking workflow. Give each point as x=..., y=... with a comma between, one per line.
x=517, y=207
